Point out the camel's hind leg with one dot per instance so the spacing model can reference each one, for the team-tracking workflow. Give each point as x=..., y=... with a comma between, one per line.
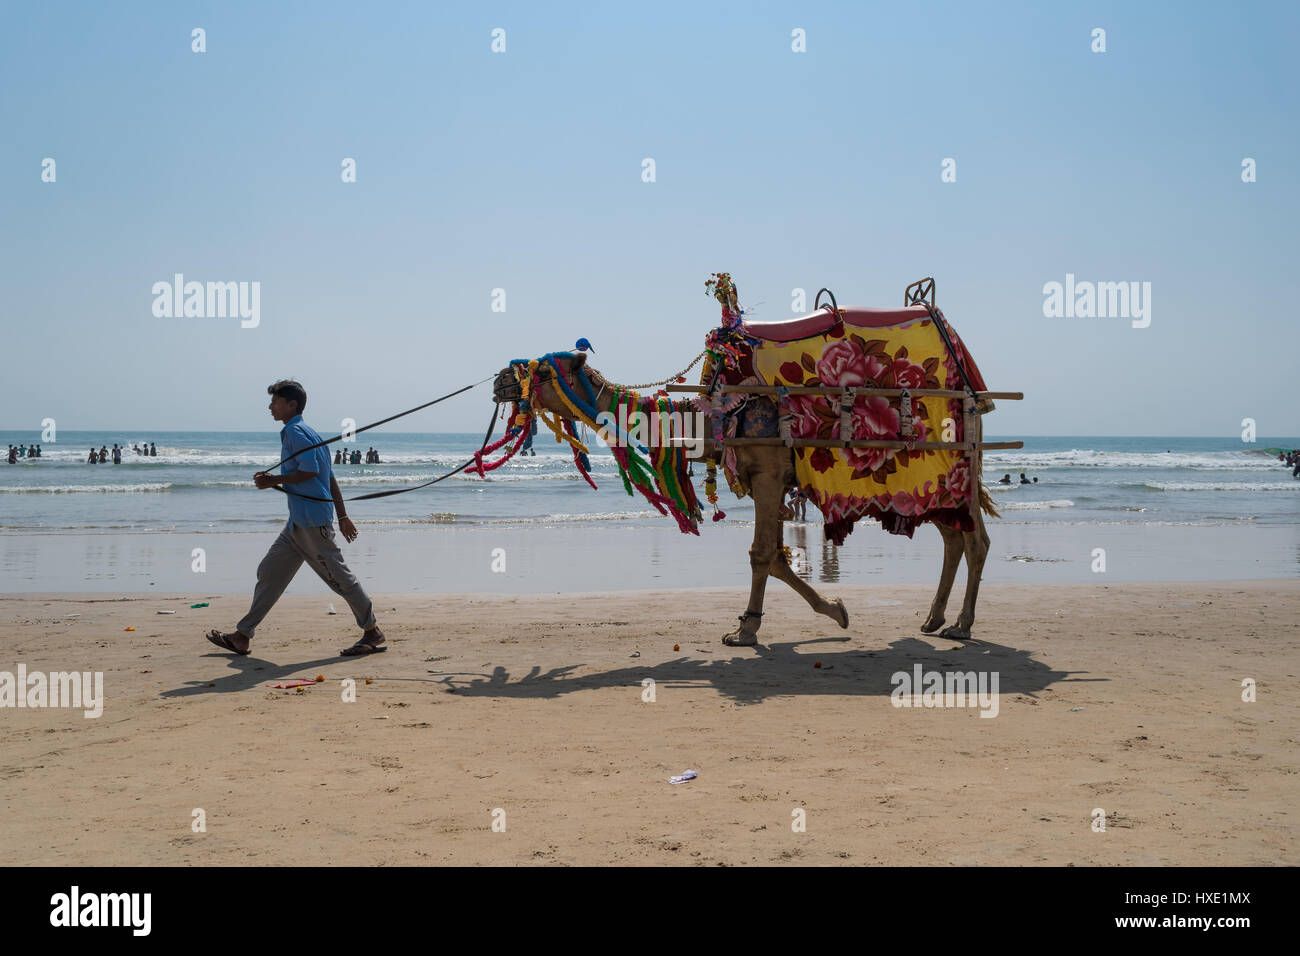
x=977, y=548
x=953, y=549
x=835, y=610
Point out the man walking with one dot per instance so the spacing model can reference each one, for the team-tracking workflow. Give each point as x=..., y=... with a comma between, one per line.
x=308, y=535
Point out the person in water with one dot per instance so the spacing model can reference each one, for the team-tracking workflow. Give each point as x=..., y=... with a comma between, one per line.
x=1023, y=479
x=1004, y=480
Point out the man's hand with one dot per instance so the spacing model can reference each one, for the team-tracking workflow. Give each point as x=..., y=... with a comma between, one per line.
x=348, y=528
x=263, y=480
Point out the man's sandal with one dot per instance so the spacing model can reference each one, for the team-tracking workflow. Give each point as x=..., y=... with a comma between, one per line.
x=224, y=642
x=363, y=647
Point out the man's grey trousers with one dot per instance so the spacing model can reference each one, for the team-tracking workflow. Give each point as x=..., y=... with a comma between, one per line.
x=315, y=546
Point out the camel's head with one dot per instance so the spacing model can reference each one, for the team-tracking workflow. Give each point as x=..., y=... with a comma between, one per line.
x=542, y=389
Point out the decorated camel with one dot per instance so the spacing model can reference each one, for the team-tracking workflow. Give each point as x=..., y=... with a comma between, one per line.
x=871, y=412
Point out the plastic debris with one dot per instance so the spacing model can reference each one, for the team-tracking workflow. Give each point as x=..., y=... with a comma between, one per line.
x=331, y=610
x=203, y=604
x=128, y=629
x=682, y=778
x=166, y=612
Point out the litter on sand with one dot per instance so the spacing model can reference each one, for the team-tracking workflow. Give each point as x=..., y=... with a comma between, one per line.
x=682, y=778
x=285, y=685
x=331, y=610
x=166, y=612
x=203, y=604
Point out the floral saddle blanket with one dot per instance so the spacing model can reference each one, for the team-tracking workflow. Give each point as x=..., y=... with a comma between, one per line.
x=899, y=348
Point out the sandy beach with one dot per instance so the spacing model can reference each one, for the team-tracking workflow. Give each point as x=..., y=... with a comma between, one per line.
x=1125, y=698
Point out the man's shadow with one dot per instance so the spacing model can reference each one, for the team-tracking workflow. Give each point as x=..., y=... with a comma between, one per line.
x=248, y=672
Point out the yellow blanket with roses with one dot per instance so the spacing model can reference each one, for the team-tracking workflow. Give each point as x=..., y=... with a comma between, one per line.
x=898, y=487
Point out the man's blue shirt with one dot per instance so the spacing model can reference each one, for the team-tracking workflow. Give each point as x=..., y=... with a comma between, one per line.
x=298, y=434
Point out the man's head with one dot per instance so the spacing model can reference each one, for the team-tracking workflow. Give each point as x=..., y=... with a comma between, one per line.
x=288, y=398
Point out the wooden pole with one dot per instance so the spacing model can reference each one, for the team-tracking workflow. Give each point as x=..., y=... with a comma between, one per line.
x=969, y=425
x=837, y=390
x=879, y=443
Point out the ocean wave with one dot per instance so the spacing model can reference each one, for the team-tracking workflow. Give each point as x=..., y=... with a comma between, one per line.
x=444, y=518
x=1018, y=461
x=84, y=489
x=1291, y=485
x=1035, y=505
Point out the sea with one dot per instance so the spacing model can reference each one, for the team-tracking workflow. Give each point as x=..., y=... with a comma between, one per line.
x=1236, y=501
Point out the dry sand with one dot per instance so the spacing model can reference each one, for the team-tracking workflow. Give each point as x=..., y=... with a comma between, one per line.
x=1126, y=698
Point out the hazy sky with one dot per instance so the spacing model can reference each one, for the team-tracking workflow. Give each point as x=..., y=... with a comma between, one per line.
x=523, y=171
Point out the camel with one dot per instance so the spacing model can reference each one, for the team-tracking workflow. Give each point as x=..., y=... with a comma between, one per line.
x=769, y=473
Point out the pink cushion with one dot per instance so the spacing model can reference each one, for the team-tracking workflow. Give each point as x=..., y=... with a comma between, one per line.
x=823, y=320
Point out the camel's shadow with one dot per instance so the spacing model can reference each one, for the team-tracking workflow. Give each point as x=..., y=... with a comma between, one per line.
x=776, y=670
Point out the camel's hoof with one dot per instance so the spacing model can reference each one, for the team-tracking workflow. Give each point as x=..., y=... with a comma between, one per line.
x=931, y=625
x=956, y=633
x=740, y=639
x=844, y=612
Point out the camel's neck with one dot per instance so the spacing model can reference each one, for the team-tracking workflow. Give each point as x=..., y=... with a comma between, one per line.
x=604, y=390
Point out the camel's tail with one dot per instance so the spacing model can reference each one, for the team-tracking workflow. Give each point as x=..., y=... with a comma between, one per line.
x=986, y=502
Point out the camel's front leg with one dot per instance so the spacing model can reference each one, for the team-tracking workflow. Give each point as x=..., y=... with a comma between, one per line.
x=766, y=490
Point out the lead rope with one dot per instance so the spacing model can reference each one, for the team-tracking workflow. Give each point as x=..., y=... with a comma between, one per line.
x=492, y=424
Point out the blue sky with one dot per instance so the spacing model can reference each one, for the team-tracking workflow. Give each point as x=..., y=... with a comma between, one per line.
x=522, y=171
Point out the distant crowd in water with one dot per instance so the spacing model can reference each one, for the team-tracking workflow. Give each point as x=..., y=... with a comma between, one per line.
x=20, y=451
x=353, y=457
x=144, y=449
x=1292, y=460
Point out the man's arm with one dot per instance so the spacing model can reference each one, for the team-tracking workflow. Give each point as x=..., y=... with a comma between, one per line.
x=266, y=480
x=345, y=523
